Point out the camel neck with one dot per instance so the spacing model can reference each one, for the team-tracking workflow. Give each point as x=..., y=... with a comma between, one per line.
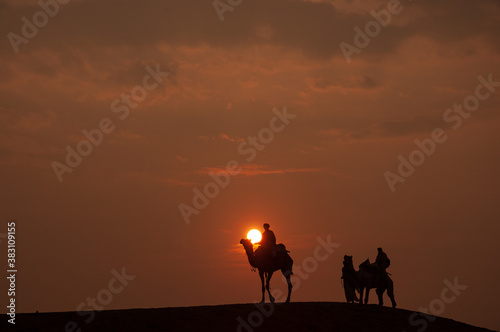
x=250, y=255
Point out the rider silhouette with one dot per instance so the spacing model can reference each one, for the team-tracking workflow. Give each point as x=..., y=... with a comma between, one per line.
x=268, y=242
x=382, y=262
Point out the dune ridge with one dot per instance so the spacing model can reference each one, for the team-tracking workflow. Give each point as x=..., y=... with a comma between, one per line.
x=299, y=316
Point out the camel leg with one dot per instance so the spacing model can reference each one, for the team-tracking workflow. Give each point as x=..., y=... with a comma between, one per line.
x=261, y=275
x=367, y=294
x=391, y=296
x=390, y=292
x=289, y=282
x=361, y=290
x=268, y=282
x=380, y=293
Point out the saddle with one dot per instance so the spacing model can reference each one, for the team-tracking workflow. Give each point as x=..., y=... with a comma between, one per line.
x=279, y=249
x=373, y=268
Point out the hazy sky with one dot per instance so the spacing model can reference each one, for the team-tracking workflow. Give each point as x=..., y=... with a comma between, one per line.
x=203, y=89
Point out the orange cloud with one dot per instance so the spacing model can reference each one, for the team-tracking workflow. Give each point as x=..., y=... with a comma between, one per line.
x=255, y=169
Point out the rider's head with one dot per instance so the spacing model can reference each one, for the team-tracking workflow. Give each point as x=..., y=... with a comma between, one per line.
x=379, y=249
x=266, y=226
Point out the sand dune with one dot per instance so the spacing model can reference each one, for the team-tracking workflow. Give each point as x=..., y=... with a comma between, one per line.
x=302, y=316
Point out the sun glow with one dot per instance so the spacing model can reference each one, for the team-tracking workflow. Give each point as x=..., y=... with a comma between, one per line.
x=254, y=235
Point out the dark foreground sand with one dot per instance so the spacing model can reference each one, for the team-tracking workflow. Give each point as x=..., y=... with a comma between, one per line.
x=291, y=317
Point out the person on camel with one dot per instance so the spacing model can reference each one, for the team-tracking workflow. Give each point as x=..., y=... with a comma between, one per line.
x=268, y=241
x=382, y=262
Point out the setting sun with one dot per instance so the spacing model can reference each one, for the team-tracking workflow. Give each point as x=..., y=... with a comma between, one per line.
x=254, y=235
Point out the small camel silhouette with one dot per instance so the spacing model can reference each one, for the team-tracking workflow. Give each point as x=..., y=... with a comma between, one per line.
x=267, y=265
x=369, y=277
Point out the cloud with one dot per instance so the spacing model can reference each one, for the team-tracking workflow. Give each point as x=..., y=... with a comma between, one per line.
x=247, y=170
x=419, y=124
x=256, y=169
x=171, y=181
x=221, y=137
x=386, y=129
x=178, y=182
x=352, y=84
x=314, y=28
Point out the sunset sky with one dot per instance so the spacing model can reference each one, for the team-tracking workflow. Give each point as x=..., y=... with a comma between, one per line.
x=205, y=89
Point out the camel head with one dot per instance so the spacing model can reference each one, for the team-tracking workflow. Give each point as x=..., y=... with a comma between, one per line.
x=348, y=261
x=246, y=243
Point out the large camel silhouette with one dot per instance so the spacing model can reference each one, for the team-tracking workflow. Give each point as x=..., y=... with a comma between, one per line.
x=267, y=265
x=369, y=277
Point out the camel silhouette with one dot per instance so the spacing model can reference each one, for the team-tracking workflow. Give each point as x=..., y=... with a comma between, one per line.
x=369, y=277
x=267, y=265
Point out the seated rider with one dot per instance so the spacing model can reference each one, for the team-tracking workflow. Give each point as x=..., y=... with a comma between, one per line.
x=268, y=242
x=382, y=262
